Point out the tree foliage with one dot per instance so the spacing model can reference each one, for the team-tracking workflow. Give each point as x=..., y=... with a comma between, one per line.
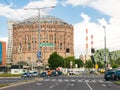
x=89, y=64
x=55, y=61
x=79, y=63
x=67, y=61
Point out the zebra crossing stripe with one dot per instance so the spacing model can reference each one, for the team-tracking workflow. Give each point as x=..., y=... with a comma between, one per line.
x=77, y=80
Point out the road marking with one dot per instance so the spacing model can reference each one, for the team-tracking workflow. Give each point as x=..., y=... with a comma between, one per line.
x=103, y=85
x=38, y=83
x=66, y=80
x=52, y=86
x=88, y=85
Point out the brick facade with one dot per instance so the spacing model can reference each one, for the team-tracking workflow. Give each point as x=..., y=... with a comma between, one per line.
x=25, y=40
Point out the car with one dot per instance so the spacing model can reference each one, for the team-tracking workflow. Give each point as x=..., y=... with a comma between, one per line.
x=26, y=74
x=117, y=75
x=109, y=74
x=54, y=73
x=34, y=74
x=43, y=74
x=59, y=72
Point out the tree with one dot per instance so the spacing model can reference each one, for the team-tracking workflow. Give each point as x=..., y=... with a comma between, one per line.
x=100, y=65
x=89, y=64
x=55, y=61
x=79, y=63
x=113, y=64
x=67, y=61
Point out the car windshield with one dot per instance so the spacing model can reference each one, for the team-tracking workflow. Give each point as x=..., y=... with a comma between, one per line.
x=110, y=72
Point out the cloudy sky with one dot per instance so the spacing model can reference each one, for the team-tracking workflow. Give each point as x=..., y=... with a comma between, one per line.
x=82, y=14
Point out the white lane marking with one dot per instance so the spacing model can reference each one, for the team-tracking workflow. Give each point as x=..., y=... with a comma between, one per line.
x=53, y=80
x=38, y=83
x=103, y=85
x=88, y=85
x=66, y=80
x=60, y=80
x=101, y=81
x=52, y=86
x=72, y=84
x=93, y=81
x=72, y=80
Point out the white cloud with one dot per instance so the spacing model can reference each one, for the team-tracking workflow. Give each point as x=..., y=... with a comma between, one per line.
x=108, y=7
x=76, y=3
x=5, y=39
x=112, y=35
x=9, y=12
x=80, y=35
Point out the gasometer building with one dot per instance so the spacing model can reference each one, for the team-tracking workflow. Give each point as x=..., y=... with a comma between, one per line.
x=55, y=35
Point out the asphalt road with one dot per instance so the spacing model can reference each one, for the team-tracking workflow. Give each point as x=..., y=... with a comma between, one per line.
x=13, y=80
x=92, y=82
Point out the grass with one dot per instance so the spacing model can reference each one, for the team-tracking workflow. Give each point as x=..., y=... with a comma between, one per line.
x=9, y=75
x=117, y=82
x=3, y=85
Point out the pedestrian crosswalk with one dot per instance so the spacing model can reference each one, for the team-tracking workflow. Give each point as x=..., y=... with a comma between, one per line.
x=76, y=80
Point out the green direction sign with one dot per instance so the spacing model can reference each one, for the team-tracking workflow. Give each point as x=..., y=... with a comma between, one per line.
x=46, y=44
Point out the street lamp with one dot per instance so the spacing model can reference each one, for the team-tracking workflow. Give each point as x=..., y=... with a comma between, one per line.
x=39, y=52
x=105, y=62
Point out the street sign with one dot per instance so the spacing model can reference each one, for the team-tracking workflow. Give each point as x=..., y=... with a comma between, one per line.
x=39, y=54
x=46, y=44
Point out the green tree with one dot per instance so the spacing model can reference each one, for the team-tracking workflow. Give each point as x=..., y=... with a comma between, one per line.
x=114, y=64
x=67, y=61
x=100, y=64
x=55, y=61
x=89, y=64
x=79, y=63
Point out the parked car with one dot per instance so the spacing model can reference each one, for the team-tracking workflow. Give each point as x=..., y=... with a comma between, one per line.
x=34, y=74
x=109, y=75
x=117, y=75
x=26, y=74
x=54, y=73
x=43, y=74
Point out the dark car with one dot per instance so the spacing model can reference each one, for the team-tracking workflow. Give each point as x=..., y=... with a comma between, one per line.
x=43, y=74
x=117, y=75
x=54, y=73
x=26, y=74
x=109, y=75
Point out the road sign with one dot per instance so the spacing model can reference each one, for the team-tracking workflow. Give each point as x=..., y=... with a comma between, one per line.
x=46, y=44
x=38, y=54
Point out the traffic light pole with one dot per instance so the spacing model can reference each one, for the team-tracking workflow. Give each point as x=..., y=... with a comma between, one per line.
x=105, y=63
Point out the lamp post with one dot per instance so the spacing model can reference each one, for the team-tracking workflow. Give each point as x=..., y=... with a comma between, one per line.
x=39, y=50
x=105, y=47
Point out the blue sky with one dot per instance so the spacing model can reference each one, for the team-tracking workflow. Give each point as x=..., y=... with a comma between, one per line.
x=82, y=14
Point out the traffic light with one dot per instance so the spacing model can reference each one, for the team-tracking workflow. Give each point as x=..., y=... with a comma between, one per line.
x=92, y=50
x=93, y=60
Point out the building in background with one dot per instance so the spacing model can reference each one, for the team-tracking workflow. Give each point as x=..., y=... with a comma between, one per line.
x=10, y=41
x=55, y=36
x=2, y=53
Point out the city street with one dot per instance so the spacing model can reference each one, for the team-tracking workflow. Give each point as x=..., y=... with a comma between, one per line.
x=91, y=82
x=13, y=80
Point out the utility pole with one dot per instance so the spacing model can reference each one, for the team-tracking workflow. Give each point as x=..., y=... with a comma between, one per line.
x=39, y=49
x=105, y=62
